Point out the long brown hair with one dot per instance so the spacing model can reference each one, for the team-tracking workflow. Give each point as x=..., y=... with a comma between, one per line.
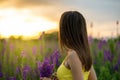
x=73, y=35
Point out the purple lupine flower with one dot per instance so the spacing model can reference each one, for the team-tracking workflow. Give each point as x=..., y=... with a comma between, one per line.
x=34, y=50
x=119, y=61
x=118, y=43
x=107, y=55
x=46, y=69
x=11, y=47
x=23, y=53
x=1, y=74
x=17, y=70
x=26, y=69
x=39, y=65
x=117, y=47
x=12, y=78
x=4, y=47
x=102, y=43
x=54, y=58
x=117, y=65
x=90, y=39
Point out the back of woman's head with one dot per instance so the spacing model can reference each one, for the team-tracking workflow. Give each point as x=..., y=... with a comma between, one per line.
x=73, y=35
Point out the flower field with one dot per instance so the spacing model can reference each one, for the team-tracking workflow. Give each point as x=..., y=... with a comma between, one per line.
x=106, y=58
x=33, y=59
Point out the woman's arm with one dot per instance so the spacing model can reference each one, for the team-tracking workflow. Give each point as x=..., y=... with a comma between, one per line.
x=75, y=66
x=92, y=75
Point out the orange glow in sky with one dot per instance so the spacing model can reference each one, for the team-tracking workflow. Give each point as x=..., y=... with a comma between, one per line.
x=29, y=17
x=22, y=22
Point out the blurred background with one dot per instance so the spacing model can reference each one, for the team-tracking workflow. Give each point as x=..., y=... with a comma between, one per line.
x=29, y=17
x=29, y=36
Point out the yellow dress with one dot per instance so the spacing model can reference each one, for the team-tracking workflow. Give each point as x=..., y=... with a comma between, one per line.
x=64, y=73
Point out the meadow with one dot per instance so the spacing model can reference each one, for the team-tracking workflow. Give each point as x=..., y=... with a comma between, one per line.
x=36, y=58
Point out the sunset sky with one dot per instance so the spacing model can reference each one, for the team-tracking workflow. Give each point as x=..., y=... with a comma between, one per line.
x=28, y=17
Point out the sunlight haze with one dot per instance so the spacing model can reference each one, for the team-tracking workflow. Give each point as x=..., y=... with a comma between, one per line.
x=14, y=22
x=29, y=17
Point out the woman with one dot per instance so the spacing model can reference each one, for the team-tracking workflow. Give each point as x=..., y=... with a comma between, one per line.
x=73, y=37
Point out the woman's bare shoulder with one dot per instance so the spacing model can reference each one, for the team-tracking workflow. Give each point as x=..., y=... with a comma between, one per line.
x=72, y=54
x=73, y=57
